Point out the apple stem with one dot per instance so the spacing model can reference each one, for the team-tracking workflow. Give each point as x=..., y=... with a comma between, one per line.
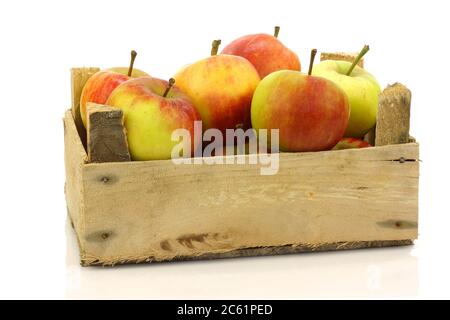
x=311, y=60
x=215, y=47
x=276, y=32
x=171, y=83
x=357, y=59
x=133, y=57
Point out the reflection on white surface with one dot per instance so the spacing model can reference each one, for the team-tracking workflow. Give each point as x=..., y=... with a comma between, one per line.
x=374, y=273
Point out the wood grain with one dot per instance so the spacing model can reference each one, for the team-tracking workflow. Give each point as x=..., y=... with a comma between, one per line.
x=269, y=251
x=393, y=115
x=106, y=137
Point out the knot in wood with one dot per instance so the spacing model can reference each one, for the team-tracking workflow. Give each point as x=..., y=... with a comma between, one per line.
x=104, y=179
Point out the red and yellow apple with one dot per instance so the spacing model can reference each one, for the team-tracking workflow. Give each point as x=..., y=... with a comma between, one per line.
x=221, y=88
x=265, y=52
x=100, y=85
x=151, y=117
x=311, y=113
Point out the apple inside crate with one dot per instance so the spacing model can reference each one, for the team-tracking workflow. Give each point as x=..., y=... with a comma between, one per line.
x=149, y=211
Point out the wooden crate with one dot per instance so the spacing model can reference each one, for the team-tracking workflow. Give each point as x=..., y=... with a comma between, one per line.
x=147, y=211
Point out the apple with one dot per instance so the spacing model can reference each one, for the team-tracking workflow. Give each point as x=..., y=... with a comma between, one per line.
x=362, y=90
x=310, y=112
x=265, y=52
x=221, y=88
x=351, y=143
x=152, y=110
x=100, y=85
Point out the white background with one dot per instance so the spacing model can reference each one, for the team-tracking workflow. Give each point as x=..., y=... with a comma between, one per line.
x=41, y=40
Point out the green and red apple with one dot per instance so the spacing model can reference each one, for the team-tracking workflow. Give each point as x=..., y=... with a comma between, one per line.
x=310, y=112
x=100, y=85
x=361, y=88
x=153, y=110
x=221, y=88
x=266, y=52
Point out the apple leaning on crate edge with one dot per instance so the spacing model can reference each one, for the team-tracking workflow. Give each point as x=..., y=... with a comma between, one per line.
x=362, y=90
x=221, y=88
x=311, y=112
x=265, y=52
x=153, y=109
x=98, y=87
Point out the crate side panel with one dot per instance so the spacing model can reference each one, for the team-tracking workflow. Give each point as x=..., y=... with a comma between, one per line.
x=162, y=211
x=74, y=157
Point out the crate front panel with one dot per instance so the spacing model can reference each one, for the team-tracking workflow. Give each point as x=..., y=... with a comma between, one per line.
x=156, y=210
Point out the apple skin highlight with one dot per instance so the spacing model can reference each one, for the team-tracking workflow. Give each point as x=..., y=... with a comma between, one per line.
x=265, y=52
x=221, y=88
x=151, y=118
x=311, y=113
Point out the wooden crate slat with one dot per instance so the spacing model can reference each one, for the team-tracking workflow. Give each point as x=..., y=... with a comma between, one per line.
x=393, y=115
x=106, y=135
x=75, y=157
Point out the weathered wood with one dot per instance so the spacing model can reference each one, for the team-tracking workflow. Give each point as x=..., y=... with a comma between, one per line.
x=156, y=210
x=393, y=115
x=79, y=76
x=106, y=137
x=75, y=157
x=271, y=251
x=350, y=57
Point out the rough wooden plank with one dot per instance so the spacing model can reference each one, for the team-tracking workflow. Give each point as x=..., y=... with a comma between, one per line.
x=393, y=115
x=267, y=251
x=106, y=137
x=78, y=78
x=350, y=57
x=75, y=157
x=156, y=210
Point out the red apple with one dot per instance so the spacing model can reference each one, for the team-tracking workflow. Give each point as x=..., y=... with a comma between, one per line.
x=265, y=52
x=311, y=113
x=100, y=85
x=351, y=143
